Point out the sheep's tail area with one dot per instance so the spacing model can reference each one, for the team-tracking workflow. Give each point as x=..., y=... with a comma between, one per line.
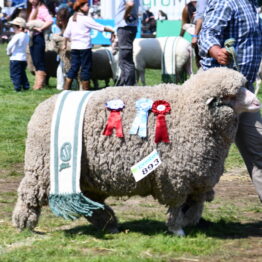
x=72, y=206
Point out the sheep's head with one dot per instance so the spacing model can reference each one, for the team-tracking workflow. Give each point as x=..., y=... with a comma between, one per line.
x=222, y=95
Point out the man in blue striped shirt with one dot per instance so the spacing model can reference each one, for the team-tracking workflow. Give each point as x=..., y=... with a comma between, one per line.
x=237, y=19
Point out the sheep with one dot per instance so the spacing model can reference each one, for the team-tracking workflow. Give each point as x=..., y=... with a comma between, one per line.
x=148, y=54
x=202, y=125
x=104, y=65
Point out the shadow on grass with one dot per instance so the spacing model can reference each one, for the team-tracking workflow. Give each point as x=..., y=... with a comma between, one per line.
x=220, y=229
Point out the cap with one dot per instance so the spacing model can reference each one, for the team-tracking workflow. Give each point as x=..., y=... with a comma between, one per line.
x=18, y=21
x=78, y=4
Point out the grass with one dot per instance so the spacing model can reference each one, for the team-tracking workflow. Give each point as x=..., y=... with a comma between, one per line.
x=143, y=236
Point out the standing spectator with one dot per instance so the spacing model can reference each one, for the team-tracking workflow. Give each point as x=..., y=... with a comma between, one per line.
x=78, y=30
x=148, y=22
x=16, y=49
x=199, y=16
x=126, y=21
x=188, y=15
x=37, y=10
x=237, y=19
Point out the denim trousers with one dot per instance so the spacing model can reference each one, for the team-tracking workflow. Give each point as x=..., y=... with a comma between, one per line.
x=37, y=51
x=18, y=75
x=80, y=58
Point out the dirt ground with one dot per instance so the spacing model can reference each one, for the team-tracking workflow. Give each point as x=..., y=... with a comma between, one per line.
x=235, y=187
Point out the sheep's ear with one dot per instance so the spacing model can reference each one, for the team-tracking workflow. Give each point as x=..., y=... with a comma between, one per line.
x=210, y=100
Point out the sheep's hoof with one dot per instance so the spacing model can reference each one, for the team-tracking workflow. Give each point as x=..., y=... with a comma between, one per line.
x=113, y=230
x=178, y=232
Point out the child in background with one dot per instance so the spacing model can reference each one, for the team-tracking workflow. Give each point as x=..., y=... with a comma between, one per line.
x=16, y=49
x=78, y=30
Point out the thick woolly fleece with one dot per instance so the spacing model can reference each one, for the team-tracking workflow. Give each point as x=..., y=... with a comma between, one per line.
x=192, y=163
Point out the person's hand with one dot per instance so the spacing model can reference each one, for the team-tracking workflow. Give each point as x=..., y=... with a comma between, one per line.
x=40, y=30
x=194, y=41
x=113, y=37
x=220, y=54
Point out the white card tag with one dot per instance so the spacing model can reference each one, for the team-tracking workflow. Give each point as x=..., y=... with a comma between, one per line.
x=146, y=166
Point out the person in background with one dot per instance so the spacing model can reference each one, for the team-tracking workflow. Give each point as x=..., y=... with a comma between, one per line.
x=148, y=22
x=188, y=15
x=199, y=16
x=162, y=15
x=237, y=19
x=36, y=10
x=78, y=31
x=126, y=21
x=16, y=49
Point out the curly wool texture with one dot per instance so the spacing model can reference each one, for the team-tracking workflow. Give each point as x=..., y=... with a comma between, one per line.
x=192, y=163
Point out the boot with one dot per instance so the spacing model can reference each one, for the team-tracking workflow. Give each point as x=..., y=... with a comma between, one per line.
x=39, y=79
x=68, y=83
x=85, y=85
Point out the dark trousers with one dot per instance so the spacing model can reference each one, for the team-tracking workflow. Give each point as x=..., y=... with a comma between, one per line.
x=18, y=75
x=80, y=58
x=126, y=36
x=37, y=51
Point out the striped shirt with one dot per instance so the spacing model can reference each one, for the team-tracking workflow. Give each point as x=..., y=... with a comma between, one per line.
x=233, y=19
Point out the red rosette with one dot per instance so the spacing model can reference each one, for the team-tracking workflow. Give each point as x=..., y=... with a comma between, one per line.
x=114, y=120
x=160, y=108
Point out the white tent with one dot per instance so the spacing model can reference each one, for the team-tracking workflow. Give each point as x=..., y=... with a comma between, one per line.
x=173, y=8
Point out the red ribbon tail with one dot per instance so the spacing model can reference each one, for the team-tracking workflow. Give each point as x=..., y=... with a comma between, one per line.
x=114, y=121
x=161, y=134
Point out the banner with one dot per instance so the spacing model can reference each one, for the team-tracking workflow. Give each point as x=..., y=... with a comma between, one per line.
x=173, y=8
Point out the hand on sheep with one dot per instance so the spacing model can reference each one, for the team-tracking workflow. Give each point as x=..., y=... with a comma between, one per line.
x=220, y=54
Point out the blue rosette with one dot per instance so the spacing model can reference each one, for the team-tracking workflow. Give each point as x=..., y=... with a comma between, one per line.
x=139, y=125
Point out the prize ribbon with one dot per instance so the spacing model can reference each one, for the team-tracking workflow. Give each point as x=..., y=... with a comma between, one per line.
x=160, y=108
x=114, y=119
x=139, y=125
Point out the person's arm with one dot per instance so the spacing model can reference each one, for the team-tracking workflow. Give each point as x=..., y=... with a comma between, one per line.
x=11, y=45
x=197, y=31
x=46, y=17
x=217, y=17
x=129, y=7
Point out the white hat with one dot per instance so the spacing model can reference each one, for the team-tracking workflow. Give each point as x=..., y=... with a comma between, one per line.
x=18, y=21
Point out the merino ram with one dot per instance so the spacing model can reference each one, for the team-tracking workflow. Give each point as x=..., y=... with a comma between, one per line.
x=148, y=53
x=202, y=125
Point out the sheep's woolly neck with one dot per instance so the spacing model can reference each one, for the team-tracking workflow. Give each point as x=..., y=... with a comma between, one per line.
x=193, y=161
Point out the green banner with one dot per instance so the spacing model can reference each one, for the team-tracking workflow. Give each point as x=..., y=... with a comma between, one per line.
x=170, y=28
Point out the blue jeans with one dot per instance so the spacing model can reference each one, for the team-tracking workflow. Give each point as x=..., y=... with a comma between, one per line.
x=80, y=58
x=37, y=51
x=18, y=75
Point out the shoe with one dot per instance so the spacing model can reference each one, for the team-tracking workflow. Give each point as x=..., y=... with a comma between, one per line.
x=39, y=79
x=68, y=83
x=85, y=85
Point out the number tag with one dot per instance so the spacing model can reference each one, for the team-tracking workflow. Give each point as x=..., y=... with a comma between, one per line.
x=146, y=166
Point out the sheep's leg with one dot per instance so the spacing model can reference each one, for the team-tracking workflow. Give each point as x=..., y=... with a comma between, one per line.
x=31, y=197
x=137, y=76
x=95, y=82
x=192, y=213
x=175, y=221
x=104, y=219
x=142, y=75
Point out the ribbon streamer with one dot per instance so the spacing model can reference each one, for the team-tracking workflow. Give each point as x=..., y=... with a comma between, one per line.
x=139, y=125
x=160, y=108
x=114, y=119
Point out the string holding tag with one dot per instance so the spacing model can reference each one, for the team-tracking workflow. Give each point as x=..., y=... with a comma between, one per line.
x=114, y=120
x=160, y=108
x=139, y=125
